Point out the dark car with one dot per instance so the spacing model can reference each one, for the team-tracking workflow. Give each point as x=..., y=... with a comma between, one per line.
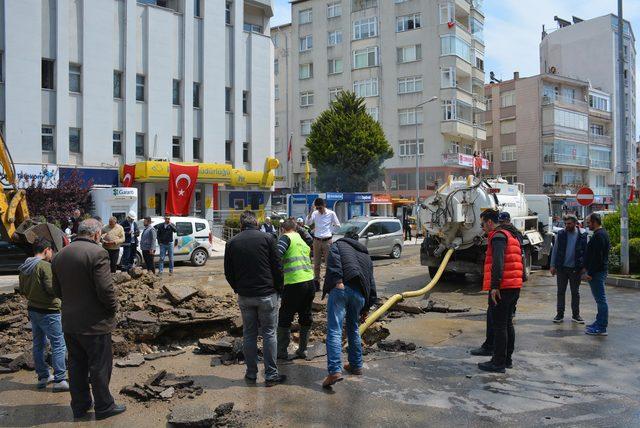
x=11, y=256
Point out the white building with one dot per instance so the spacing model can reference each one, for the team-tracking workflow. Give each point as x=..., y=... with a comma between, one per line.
x=94, y=84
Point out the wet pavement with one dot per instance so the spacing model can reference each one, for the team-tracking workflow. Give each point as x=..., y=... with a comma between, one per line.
x=561, y=377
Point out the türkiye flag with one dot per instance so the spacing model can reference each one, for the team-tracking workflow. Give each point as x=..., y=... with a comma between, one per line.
x=182, y=182
x=128, y=175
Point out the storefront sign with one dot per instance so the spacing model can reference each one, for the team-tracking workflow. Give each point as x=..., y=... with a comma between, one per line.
x=47, y=175
x=334, y=196
x=381, y=199
x=125, y=192
x=461, y=159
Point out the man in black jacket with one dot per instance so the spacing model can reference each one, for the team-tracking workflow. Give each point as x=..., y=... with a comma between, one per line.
x=351, y=287
x=165, y=233
x=597, y=265
x=254, y=270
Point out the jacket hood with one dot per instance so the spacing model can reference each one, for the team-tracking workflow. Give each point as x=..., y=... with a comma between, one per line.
x=355, y=244
x=510, y=228
x=29, y=265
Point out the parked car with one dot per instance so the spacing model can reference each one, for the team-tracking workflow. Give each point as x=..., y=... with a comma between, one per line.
x=381, y=235
x=11, y=256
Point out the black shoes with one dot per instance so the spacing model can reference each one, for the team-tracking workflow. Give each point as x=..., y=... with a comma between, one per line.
x=273, y=382
x=481, y=352
x=490, y=366
x=577, y=319
x=558, y=319
x=116, y=409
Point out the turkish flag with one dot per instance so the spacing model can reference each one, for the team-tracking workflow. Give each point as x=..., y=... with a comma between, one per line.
x=128, y=175
x=182, y=182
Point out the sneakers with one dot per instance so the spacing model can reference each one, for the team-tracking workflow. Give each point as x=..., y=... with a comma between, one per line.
x=558, y=319
x=61, y=386
x=490, y=366
x=596, y=331
x=275, y=381
x=42, y=383
x=481, y=352
x=577, y=319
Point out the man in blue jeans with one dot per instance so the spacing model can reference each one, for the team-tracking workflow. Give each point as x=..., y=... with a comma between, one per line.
x=36, y=284
x=351, y=287
x=597, y=264
x=165, y=233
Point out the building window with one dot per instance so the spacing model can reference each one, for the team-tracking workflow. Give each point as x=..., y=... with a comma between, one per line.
x=305, y=71
x=117, y=84
x=74, y=140
x=478, y=59
x=117, y=143
x=408, y=85
x=197, y=8
x=599, y=102
x=228, y=146
x=176, y=92
x=140, y=79
x=227, y=13
x=196, y=94
x=373, y=112
x=227, y=100
x=408, y=147
x=454, y=45
x=196, y=149
x=276, y=40
x=306, y=99
x=408, y=22
x=410, y=116
x=358, y=5
x=306, y=43
x=305, y=16
x=447, y=12
x=48, y=67
x=276, y=66
x=305, y=127
x=47, y=138
x=245, y=152
x=176, y=148
x=365, y=28
x=366, y=88
x=477, y=28
x=367, y=57
x=75, y=78
x=334, y=38
x=409, y=53
x=245, y=102
x=488, y=155
x=454, y=148
x=508, y=99
x=333, y=93
x=508, y=153
x=252, y=28
x=448, y=77
x=570, y=119
x=335, y=66
x=276, y=91
x=596, y=129
x=140, y=144
x=334, y=9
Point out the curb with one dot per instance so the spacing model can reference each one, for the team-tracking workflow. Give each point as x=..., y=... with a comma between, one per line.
x=623, y=282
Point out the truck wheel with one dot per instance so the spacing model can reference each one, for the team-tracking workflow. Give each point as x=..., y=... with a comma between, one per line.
x=432, y=271
x=396, y=252
x=137, y=260
x=199, y=257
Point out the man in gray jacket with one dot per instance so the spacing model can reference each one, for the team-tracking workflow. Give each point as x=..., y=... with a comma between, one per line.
x=148, y=244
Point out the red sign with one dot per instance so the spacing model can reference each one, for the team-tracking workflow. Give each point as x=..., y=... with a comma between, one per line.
x=128, y=175
x=381, y=199
x=585, y=196
x=182, y=183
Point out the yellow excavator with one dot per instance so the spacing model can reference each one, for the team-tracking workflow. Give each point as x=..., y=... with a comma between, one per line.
x=16, y=225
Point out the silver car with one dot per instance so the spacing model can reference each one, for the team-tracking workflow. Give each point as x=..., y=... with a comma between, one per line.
x=381, y=235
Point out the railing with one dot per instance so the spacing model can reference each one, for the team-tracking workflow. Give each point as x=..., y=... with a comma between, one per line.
x=562, y=131
x=563, y=100
x=603, y=191
x=566, y=159
x=562, y=188
x=600, y=139
x=603, y=164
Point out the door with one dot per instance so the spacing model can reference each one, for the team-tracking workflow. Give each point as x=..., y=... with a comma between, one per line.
x=185, y=241
x=392, y=232
x=372, y=238
x=202, y=232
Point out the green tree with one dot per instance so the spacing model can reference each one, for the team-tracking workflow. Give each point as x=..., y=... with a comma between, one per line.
x=347, y=146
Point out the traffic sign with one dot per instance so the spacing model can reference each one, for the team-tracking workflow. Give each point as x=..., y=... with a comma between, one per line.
x=585, y=196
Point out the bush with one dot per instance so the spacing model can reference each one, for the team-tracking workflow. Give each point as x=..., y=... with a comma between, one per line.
x=232, y=222
x=612, y=224
x=634, y=257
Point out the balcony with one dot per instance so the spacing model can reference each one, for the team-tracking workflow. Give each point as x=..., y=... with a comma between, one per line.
x=600, y=164
x=457, y=129
x=565, y=102
x=602, y=191
x=600, y=139
x=462, y=160
x=562, y=189
x=566, y=159
x=562, y=131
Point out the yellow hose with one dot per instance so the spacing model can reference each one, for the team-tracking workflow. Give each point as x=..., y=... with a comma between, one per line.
x=400, y=297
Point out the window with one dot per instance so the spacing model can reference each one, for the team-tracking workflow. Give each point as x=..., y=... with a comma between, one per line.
x=334, y=38
x=408, y=147
x=140, y=145
x=511, y=179
x=227, y=100
x=227, y=151
x=252, y=28
x=489, y=103
x=75, y=79
x=508, y=99
x=409, y=53
x=227, y=13
x=176, y=92
x=196, y=94
x=508, y=126
x=276, y=66
x=117, y=84
x=508, y=153
x=571, y=177
x=455, y=147
x=245, y=152
x=468, y=149
x=335, y=66
x=408, y=85
x=448, y=77
x=306, y=43
x=365, y=28
x=305, y=127
x=140, y=87
x=373, y=112
x=456, y=110
x=184, y=228
x=600, y=157
x=305, y=71
x=305, y=16
x=276, y=91
x=117, y=143
x=408, y=22
x=357, y=5
x=47, y=138
x=333, y=93
x=176, y=148
x=47, y=74
x=366, y=88
x=454, y=45
x=477, y=28
x=599, y=102
x=197, y=8
x=245, y=102
x=334, y=9
x=570, y=119
x=306, y=98
x=478, y=59
x=74, y=140
x=200, y=227
x=410, y=116
x=488, y=155
x=447, y=13
x=596, y=129
x=367, y=57
x=601, y=181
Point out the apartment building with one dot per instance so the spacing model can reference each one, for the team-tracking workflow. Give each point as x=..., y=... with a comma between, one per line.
x=588, y=50
x=95, y=84
x=552, y=133
x=397, y=55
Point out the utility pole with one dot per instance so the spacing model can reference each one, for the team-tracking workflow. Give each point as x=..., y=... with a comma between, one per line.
x=289, y=139
x=624, y=200
x=418, y=146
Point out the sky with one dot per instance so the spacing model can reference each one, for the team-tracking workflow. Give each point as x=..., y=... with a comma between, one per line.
x=513, y=28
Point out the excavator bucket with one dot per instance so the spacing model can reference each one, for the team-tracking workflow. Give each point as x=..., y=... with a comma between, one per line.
x=29, y=230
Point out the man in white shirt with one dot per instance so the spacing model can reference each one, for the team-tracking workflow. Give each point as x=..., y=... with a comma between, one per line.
x=324, y=221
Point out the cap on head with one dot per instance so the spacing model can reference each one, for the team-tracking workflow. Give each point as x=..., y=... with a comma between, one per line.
x=267, y=218
x=132, y=214
x=300, y=220
x=504, y=216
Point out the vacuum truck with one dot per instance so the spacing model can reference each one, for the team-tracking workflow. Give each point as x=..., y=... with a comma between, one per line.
x=450, y=218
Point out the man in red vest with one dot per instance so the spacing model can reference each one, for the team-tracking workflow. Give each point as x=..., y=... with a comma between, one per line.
x=503, y=279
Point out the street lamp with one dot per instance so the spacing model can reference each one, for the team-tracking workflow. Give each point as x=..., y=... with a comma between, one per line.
x=417, y=148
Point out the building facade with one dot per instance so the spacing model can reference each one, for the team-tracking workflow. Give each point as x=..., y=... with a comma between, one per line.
x=397, y=55
x=553, y=134
x=96, y=84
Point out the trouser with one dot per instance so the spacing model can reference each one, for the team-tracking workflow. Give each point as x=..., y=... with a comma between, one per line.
x=296, y=299
x=488, y=342
x=259, y=312
x=407, y=234
x=320, y=253
x=113, y=259
x=148, y=260
x=90, y=361
x=125, y=265
x=504, y=333
x=573, y=277
x=343, y=303
x=164, y=250
x=597, y=289
x=43, y=327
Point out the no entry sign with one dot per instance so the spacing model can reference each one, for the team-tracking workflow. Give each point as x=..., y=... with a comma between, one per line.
x=585, y=196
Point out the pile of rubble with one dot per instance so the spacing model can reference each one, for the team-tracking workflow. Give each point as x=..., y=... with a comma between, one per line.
x=163, y=386
x=204, y=416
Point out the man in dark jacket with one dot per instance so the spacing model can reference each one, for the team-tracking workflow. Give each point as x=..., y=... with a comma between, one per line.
x=165, y=233
x=82, y=280
x=254, y=271
x=567, y=262
x=351, y=287
x=130, y=245
x=597, y=265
